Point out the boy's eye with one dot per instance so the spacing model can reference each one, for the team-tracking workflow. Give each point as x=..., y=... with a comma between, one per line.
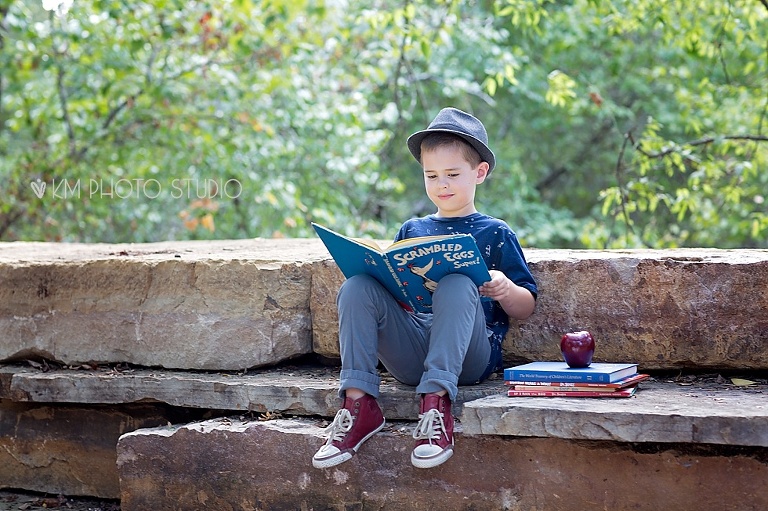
x=449, y=174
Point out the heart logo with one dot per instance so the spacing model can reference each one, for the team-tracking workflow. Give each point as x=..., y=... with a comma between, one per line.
x=38, y=187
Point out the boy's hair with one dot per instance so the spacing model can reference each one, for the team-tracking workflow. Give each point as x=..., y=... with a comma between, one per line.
x=441, y=139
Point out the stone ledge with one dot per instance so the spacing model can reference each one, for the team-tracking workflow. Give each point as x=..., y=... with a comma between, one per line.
x=660, y=411
x=266, y=465
x=664, y=309
x=69, y=449
x=219, y=305
x=311, y=390
x=238, y=304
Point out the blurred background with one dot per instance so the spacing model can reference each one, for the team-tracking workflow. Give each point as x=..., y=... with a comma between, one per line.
x=624, y=123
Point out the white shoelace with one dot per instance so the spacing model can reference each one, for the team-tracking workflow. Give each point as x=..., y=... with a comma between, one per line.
x=340, y=426
x=430, y=426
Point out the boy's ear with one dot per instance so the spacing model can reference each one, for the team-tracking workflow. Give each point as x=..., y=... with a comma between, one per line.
x=482, y=171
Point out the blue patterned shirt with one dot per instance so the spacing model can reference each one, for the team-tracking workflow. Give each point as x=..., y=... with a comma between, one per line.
x=501, y=251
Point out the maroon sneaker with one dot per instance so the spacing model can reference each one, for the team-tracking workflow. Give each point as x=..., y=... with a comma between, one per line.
x=355, y=423
x=434, y=433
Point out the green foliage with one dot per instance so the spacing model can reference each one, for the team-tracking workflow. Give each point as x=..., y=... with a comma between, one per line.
x=687, y=170
x=615, y=123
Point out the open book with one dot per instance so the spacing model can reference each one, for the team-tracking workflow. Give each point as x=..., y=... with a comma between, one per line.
x=409, y=269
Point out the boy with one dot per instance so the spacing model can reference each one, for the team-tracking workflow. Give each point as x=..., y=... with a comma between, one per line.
x=460, y=342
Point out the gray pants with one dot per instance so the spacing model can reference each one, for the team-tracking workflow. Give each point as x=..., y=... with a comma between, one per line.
x=432, y=352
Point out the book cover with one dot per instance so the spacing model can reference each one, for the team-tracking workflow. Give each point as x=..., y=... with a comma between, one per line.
x=624, y=382
x=560, y=372
x=544, y=388
x=625, y=392
x=409, y=269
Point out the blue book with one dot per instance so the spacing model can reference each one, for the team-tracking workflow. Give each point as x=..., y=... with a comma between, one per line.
x=409, y=269
x=560, y=372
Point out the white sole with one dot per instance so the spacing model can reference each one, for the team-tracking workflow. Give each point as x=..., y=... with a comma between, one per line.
x=340, y=458
x=433, y=461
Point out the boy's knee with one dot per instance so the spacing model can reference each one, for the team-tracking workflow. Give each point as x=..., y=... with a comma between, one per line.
x=357, y=283
x=356, y=288
x=454, y=287
x=455, y=282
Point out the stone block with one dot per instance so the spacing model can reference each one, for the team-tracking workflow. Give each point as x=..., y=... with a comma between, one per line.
x=664, y=309
x=189, y=305
x=659, y=412
x=266, y=465
x=297, y=390
x=230, y=305
x=326, y=281
x=70, y=450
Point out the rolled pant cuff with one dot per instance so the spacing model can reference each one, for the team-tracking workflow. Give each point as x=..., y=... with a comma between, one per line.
x=435, y=380
x=353, y=379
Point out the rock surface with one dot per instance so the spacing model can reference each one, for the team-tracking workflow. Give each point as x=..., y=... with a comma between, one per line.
x=189, y=305
x=664, y=309
x=230, y=305
x=266, y=465
x=326, y=280
x=685, y=308
x=289, y=390
x=657, y=413
x=70, y=450
x=80, y=435
x=661, y=411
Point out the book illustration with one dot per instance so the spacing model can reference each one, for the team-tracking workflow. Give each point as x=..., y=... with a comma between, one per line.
x=561, y=372
x=429, y=284
x=409, y=269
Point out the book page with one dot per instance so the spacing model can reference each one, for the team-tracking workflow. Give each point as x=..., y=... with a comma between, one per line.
x=368, y=243
x=409, y=242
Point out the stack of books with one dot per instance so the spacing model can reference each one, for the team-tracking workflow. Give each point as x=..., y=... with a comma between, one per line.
x=557, y=379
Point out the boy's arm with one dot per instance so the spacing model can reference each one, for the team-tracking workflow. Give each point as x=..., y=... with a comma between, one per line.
x=516, y=301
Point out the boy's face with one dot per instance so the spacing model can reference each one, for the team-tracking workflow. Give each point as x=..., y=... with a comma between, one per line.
x=450, y=180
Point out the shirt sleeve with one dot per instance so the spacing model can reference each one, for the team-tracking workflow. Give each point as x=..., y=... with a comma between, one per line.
x=401, y=234
x=510, y=260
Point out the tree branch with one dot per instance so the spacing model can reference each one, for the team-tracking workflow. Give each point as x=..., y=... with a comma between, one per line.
x=8, y=221
x=765, y=107
x=130, y=99
x=628, y=139
x=555, y=174
x=699, y=142
x=62, y=93
x=3, y=12
x=122, y=105
x=398, y=67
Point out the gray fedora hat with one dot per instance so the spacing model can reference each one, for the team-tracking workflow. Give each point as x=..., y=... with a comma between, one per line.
x=453, y=120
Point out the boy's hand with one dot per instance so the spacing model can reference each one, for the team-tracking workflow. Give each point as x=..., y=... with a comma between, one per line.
x=516, y=301
x=498, y=287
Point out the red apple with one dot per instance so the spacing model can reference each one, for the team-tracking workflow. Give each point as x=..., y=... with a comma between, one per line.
x=577, y=348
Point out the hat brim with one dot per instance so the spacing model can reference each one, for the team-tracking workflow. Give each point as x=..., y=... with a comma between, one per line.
x=486, y=155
